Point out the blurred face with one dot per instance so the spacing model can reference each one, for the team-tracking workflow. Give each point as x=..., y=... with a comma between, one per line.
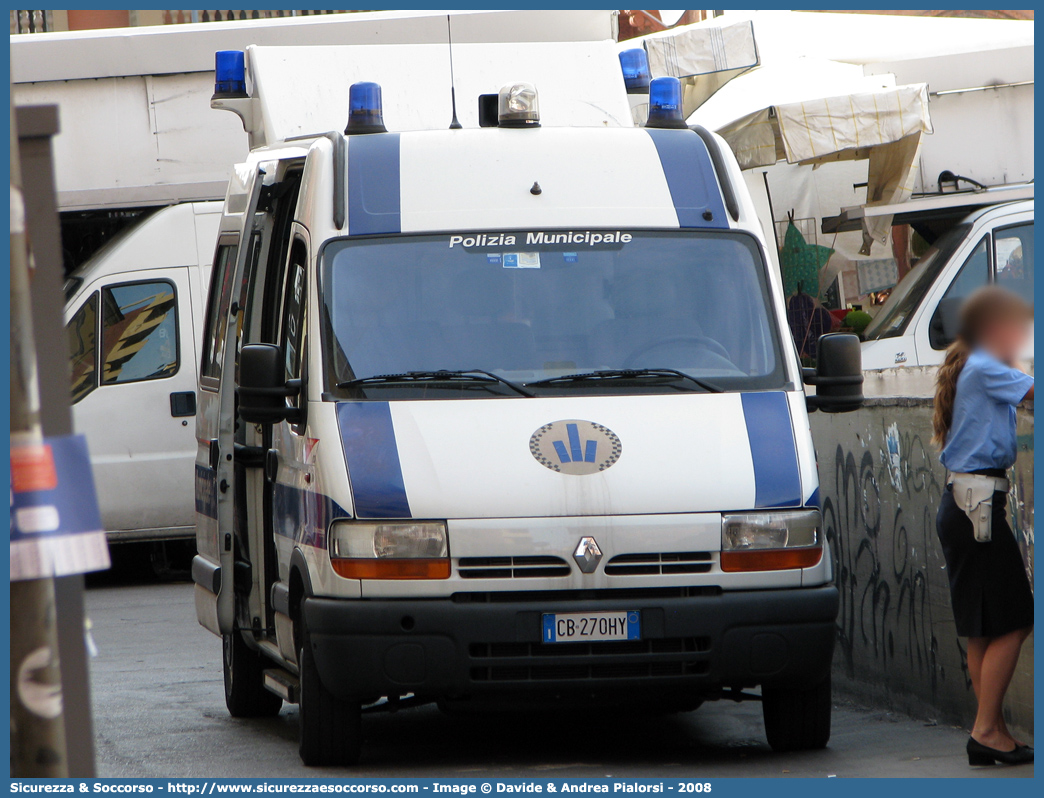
x=1006, y=338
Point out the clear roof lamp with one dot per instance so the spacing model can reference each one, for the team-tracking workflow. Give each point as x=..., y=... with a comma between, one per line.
x=518, y=106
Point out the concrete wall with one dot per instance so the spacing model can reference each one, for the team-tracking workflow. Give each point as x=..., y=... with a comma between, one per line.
x=881, y=483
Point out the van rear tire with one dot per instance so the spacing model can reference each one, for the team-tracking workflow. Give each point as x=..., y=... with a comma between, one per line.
x=245, y=693
x=797, y=720
x=330, y=727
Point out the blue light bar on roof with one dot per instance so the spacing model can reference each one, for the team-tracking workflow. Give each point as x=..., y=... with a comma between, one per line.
x=635, y=66
x=665, y=104
x=365, y=109
x=229, y=74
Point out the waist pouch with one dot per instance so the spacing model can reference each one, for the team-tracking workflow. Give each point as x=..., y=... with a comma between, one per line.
x=973, y=493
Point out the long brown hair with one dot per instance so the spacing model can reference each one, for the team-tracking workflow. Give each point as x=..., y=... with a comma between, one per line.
x=980, y=310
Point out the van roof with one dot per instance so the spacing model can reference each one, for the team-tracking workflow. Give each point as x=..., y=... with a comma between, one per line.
x=932, y=208
x=177, y=235
x=303, y=91
x=510, y=179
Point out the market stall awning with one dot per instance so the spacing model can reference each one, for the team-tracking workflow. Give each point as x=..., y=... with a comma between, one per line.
x=811, y=111
x=704, y=57
x=827, y=128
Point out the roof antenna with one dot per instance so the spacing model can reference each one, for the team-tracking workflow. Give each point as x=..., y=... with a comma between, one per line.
x=454, y=124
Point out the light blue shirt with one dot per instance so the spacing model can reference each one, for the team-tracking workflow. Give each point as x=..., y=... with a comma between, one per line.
x=982, y=434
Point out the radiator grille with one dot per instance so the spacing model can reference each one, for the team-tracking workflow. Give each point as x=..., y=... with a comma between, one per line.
x=684, y=562
x=511, y=567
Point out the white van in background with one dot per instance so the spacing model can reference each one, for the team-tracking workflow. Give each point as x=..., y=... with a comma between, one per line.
x=133, y=314
x=994, y=244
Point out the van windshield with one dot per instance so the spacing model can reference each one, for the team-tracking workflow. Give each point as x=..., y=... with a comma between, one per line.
x=891, y=321
x=531, y=307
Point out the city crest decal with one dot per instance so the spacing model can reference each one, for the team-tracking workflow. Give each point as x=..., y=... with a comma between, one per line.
x=575, y=447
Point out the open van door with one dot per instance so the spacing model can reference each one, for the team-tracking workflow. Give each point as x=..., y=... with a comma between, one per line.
x=213, y=567
x=236, y=555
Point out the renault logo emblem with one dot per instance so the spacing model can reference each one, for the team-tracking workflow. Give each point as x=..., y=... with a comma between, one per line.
x=587, y=555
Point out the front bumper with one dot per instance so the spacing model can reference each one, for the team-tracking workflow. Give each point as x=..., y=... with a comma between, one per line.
x=692, y=646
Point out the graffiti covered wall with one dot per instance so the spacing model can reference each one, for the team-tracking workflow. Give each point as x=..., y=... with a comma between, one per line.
x=881, y=483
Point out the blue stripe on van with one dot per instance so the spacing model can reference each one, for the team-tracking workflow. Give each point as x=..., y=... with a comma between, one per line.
x=303, y=515
x=813, y=500
x=771, y=436
x=690, y=178
x=373, y=460
x=206, y=491
x=373, y=184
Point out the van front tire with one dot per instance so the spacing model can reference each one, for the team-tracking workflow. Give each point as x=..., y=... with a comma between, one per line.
x=797, y=720
x=330, y=727
x=245, y=693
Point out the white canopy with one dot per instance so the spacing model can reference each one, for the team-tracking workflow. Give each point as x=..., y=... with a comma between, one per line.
x=813, y=119
x=705, y=57
x=809, y=110
x=826, y=105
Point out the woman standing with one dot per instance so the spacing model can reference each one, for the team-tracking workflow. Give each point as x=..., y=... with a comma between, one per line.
x=977, y=389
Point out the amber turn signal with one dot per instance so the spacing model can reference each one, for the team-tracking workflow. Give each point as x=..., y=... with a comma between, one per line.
x=359, y=568
x=771, y=559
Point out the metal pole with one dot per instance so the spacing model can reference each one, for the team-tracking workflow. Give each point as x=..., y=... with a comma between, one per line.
x=37, y=125
x=37, y=722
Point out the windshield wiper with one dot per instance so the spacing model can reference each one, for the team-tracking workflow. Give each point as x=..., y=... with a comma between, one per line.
x=628, y=374
x=443, y=375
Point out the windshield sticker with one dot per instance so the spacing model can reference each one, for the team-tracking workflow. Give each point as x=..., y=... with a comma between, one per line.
x=570, y=257
x=538, y=238
x=521, y=260
x=493, y=258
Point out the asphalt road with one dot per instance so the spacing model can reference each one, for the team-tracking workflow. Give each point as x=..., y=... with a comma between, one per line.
x=159, y=711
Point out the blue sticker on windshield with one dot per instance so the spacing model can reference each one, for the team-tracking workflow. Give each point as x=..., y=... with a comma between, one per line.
x=521, y=260
x=570, y=257
x=493, y=258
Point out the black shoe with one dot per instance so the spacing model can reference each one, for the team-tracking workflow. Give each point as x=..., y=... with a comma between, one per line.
x=979, y=754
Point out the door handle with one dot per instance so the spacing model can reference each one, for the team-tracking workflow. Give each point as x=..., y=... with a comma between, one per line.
x=183, y=403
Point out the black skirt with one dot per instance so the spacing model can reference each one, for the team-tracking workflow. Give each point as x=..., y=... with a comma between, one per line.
x=989, y=589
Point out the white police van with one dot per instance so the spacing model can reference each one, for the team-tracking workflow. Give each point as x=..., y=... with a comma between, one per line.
x=504, y=415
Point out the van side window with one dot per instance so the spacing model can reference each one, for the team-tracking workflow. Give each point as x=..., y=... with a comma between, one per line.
x=217, y=310
x=81, y=331
x=294, y=311
x=975, y=273
x=139, y=332
x=1013, y=254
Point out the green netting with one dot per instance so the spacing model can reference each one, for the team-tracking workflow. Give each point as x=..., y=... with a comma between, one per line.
x=800, y=263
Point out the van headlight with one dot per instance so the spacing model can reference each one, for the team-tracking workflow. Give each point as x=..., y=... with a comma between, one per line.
x=774, y=540
x=365, y=550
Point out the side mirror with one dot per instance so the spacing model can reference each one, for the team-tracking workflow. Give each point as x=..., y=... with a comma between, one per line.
x=262, y=389
x=838, y=375
x=946, y=322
